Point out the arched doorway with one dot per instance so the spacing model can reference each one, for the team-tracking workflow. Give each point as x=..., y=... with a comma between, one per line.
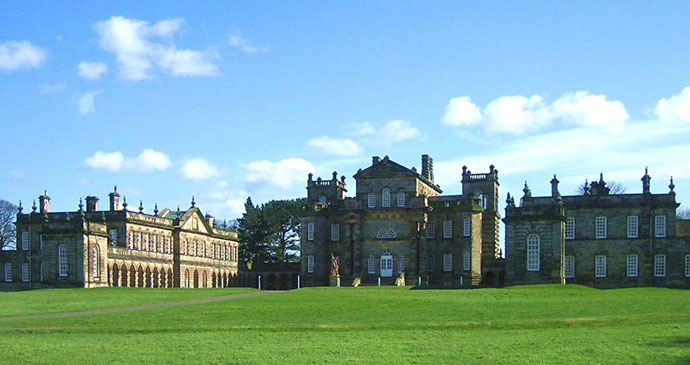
x=204, y=279
x=213, y=279
x=171, y=279
x=163, y=282
x=116, y=275
x=489, y=278
x=186, y=278
x=502, y=278
x=140, y=277
x=123, y=275
x=155, y=277
x=196, y=278
x=132, y=276
x=149, y=278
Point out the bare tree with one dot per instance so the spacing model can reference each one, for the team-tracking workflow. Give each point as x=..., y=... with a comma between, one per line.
x=8, y=232
x=683, y=213
x=614, y=186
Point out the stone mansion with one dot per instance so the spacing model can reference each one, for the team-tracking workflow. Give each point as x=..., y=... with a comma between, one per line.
x=399, y=228
x=118, y=247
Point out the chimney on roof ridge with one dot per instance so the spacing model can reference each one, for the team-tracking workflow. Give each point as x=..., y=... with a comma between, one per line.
x=428, y=167
x=44, y=203
x=91, y=203
x=375, y=160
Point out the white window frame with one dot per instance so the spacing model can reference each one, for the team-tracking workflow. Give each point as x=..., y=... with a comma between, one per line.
x=335, y=232
x=138, y=241
x=447, y=262
x=466, y=261
x=633, y=230
x=687, y=266
x=95, y=269
x=430, y=232
x=600, y=266
x=386, y=197
x=25, y=240
x=533, y=252
x=466, y=227
x=371, y=200
x=25, y=272
x=401, y=264
x=569, y=267
x=447, y=229
x=431, y=263
x=310, y=264
x=62, y=260
x=631, y=266
x=371, y=265
x=8, y=272
x=659, y=265
x=570, y=228
x=310, y=231
x=600, y=228
x=130, y=240
x=660, y=226
x=401, y=199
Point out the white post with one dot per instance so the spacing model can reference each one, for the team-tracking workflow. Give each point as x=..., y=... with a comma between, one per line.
x=338, y=281
x=259, y=277
x=460, y=280
x=419, y=281
x=298, y=283
x=379, y=281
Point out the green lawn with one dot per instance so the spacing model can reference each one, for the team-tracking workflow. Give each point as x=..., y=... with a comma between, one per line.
x=546, y=323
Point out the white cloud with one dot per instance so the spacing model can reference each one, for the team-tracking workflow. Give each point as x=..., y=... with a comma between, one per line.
x=199, y=169
x=520, y=114
x=91, y=70
x=461, y=111
x=398, y=131
x=86, y=102
x=111, y=161
x=361, y=129
x=282, y=174
x=20, y=54
x=148, y=160
x=677, y=107
x=585, y=109
x=132, y=41
x=245, y=44
x=50, y=89
x=335, y=146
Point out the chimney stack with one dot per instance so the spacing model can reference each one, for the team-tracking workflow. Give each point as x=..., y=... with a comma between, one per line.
x=554, y=187
x=114, y=200
x=428, y=168
x=44, y=201
x=91, y=203
x=375, y=160
x=210, y=219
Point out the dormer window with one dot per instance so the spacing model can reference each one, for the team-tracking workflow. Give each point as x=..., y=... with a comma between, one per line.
x=386, y=198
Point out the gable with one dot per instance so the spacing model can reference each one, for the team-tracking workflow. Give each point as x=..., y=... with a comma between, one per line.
x=194, y=221
x=386, y=169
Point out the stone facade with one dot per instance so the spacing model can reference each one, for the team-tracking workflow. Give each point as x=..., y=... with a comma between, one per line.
x=398, y=224
x=597, y=239
x=118, y=247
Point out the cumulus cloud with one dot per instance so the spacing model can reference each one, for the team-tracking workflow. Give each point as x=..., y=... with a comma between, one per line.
x=519, y=114
x=677, y=107
x=245, y=44
x=361, y=129
x=461, y=111
x=86, y=102
x=282, y=174
x=147, y=160
x=91, y=70
x=335, y=146
x=111, y=161
x=199, y=169
x=141, y=47
x=20, y=54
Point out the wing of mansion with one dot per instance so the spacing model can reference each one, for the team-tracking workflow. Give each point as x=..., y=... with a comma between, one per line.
x=397, y=228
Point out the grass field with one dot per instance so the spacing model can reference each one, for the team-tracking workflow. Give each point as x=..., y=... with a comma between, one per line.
x=528, y=324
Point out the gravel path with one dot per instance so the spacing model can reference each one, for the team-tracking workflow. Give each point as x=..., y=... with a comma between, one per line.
x=138, y=307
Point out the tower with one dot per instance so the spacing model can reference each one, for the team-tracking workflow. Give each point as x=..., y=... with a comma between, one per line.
x=485, y=188
x=325, y=191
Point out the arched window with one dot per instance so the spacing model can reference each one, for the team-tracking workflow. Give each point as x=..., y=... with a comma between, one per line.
x=95, y=267
x=62, y=260
x=386, y=234
x=386, y=197
x=482, y=198
x=533, y=252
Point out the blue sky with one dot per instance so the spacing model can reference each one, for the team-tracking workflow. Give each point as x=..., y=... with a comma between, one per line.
x=223, y=101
